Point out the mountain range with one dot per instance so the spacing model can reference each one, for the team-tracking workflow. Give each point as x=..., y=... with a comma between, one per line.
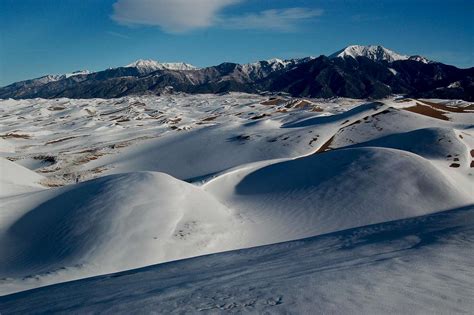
x=355, y=72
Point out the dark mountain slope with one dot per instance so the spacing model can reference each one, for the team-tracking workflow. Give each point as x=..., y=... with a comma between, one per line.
x=349, y=75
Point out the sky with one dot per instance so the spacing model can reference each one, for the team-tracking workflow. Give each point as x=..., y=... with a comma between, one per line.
x=39, y=37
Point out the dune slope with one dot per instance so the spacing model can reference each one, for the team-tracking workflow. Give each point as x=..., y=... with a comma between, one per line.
x=416, y=265
x=109, y=224
x=336, y=190
x=16, y=179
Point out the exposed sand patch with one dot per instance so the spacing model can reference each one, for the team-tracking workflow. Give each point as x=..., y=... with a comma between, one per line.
x=427, y=111
x=173, y=120
x=403, y=100
x=326, y=146
x=354, y=123
x=88, y=158
x=210, y=118
x=259, y=116
x=115, y=111
x=317, y=109
x=61, y=139
x=56, y=108
x=11, y=135
x=273, y=101
x=452, y=109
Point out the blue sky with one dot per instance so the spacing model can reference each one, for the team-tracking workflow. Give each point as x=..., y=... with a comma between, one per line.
x=39, y=37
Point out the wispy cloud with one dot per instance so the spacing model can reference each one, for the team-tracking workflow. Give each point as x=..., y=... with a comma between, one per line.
x=173, y=16
x=274, y=19
x=178, y=16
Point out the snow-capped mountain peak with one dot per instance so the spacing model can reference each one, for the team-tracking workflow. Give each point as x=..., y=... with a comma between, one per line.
x=144, y=63
x=78, y=72
x=373, y=52
x=148, y=65
x=419, y=59
x=56, y=77
x=263, y=68
x=288, y=62
x=275, y=60
x=179, y=66
x=276, y=63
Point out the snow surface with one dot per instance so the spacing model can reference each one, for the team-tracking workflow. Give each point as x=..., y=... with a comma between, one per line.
x=15, y=179
x=161, y=179
x=335, y=191
x=421, y=265
x=103, y=225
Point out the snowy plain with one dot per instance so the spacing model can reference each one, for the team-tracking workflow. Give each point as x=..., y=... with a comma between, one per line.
x=365, y=202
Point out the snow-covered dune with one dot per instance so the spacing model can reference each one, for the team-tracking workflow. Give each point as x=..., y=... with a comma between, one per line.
x=203, y=152
x=110, y=224
x=103, y=225
x=16, y=179
x=414, y=266
x=206, y=151
x=336, y=190
x=388, y=122
x=446, y=144
x=143, y=180
x=347, y=116
x=431, y=143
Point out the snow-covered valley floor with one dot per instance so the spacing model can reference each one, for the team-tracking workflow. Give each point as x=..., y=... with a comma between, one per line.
x=300, y=206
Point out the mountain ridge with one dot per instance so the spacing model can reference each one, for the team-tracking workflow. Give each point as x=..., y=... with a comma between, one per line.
x=355, y=71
